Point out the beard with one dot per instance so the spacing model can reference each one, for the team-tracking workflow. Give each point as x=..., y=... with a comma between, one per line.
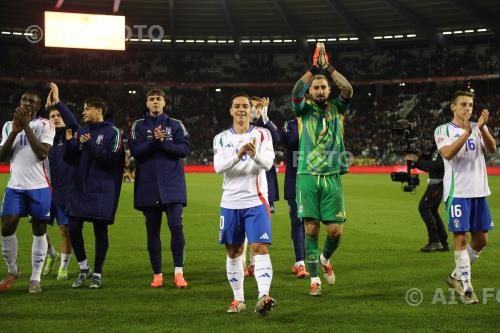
x=321, y=101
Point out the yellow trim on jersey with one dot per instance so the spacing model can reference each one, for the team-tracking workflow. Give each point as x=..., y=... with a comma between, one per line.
x=299, y=124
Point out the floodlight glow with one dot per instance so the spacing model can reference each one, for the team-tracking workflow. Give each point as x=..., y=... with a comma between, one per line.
x=84, y=31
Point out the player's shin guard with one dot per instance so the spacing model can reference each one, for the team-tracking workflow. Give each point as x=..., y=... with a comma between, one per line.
x=235, y=276
x=9, y=252
x=473, y=255
x=38, y=254
x=263, y=273
x=462, y=263
x=331, y=244
x=312, y=255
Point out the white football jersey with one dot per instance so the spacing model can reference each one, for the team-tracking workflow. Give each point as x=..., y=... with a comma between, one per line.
x=465, y=174
x=245, y=183
x=27, y=172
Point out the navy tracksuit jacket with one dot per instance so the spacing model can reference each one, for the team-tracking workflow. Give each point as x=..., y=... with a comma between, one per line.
x=61, y=173
x=159, y=175
x=273, y=193
x=290, y=137
x=97, y=180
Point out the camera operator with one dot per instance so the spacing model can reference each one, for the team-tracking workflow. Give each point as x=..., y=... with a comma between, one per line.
x=429, y=204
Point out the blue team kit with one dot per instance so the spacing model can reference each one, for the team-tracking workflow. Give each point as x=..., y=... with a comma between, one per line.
x=468, y=215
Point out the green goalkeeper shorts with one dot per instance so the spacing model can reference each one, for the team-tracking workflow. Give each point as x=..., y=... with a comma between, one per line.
x=321, y=198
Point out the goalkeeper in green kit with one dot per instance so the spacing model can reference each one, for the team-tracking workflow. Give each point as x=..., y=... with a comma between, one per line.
x=321, y=161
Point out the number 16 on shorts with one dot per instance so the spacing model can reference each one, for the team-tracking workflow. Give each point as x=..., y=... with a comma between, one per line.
x=469, y=214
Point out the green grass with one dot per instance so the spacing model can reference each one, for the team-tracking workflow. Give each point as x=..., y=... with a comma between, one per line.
x=377, y=262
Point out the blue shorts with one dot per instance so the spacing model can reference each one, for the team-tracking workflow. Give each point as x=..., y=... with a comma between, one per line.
x=468, y=215
x=35, y=203
x=253, y=222
x=57, y=212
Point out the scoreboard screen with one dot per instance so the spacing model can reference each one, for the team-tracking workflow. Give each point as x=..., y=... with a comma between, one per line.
x=84, y=31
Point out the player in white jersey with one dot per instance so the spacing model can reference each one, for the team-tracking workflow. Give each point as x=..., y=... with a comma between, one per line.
x=26, y=141
x=243, y=154
x=463, y=145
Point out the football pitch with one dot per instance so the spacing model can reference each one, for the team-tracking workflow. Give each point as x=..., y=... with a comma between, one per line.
x=377, y=262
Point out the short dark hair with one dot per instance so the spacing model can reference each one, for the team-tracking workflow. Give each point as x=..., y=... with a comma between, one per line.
x=97, y=102
x=155, y=92
x=240, y=94
x=51, y=108
x=459, y=93
x=320, y=77
x=33, y=92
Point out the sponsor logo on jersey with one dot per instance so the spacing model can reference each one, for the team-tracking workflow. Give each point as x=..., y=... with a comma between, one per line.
x=457, y=135
x=456, y=222
x=264, y=236
x=339, y=214
x=99, y=139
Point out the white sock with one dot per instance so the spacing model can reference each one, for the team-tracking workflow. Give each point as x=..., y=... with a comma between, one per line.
x=178, y=270
x=235, y=276
x=315, y=280
x=473, y=255
x=38, y=254
x=97, y=274
x=263, y=273
x=65, y=257
x=299, y=263
x=84, y=265
x=9, y=252
x=462, y=263
x=52, y=252
x=323, y=260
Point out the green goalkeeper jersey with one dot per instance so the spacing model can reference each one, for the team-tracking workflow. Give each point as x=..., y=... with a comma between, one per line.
x=321, y=139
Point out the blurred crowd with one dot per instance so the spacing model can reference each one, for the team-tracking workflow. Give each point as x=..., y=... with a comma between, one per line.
x=205, y=111
x=250, y=66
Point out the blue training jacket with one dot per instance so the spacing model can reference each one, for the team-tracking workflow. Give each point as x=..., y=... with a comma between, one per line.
x=61, y=173
x=159, y=175
x=290, y=137
x=273, y=193
x=97, y=181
